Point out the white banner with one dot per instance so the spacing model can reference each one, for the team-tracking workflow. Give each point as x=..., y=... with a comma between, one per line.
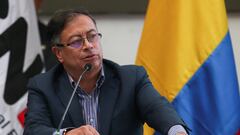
x=20, y=58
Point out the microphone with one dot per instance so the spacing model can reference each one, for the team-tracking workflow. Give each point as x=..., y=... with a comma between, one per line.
x=87, y=67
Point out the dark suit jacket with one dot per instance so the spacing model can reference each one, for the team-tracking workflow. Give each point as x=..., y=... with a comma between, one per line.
x=127, y=99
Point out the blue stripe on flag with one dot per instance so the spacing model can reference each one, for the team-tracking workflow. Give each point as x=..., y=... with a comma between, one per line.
x=210, y=103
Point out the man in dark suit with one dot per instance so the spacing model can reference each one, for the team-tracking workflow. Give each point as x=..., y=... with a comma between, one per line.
x=110, y=100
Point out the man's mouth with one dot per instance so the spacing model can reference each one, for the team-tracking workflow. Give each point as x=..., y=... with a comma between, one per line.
x=90, y=57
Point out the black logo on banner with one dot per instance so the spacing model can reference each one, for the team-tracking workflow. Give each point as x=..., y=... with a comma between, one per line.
x=13, y=39
x=3, y=8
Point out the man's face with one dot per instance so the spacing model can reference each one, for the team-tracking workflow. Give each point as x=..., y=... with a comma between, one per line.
x=74, y=58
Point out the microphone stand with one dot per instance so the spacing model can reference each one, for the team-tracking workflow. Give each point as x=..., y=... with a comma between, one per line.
x=87, y=67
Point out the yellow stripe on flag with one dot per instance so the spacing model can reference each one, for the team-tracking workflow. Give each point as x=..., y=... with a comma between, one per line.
x=177, y=33
x=177, y=38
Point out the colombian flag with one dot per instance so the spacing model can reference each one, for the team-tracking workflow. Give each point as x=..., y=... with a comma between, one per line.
x=187, y=51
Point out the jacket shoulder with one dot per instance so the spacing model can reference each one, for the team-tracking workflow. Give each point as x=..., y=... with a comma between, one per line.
x=47, y=77
x=126, y=73
x=123, y=68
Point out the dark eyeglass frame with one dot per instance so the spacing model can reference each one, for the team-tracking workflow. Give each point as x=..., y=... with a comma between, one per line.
x=82, y=41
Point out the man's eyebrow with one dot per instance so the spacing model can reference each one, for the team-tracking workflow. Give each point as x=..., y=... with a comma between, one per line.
x=81, y=35
x=91, y=30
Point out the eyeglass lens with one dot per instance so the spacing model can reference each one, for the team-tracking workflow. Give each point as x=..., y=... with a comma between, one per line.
x=91, y=38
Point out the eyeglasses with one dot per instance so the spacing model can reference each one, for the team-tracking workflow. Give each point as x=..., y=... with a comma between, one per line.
x=91, y=38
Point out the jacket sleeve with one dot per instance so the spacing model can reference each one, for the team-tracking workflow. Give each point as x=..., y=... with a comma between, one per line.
x=155, y=110
x=37, y=117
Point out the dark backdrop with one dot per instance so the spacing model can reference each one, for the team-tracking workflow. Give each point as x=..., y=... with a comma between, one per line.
x=112, y=6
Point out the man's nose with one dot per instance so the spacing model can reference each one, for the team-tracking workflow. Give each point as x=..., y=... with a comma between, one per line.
x=87, y=44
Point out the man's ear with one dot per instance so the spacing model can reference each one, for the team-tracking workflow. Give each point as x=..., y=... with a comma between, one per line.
x=58, y=53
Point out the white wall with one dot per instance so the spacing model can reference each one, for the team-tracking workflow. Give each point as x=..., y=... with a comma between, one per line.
x=234, y=28
x=121, y=35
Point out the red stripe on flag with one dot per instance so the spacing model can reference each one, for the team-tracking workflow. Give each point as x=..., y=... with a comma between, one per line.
x=238, y=133
x=21, y=117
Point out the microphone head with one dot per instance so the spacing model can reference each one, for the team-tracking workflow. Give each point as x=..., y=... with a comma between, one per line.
x=88, y=67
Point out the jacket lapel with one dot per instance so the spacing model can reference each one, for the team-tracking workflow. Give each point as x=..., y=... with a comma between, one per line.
x=107, y=100
x=64, y=92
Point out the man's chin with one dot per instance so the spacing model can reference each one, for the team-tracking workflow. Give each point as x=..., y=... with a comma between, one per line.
x=96, y=65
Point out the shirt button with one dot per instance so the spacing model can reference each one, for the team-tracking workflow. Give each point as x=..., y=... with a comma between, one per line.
x=91, y=120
